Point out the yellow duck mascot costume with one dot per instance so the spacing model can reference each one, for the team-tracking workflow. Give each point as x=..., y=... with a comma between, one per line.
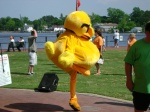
x=73, y=52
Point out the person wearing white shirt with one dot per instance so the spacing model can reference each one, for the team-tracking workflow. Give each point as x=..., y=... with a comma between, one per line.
x=20, y=44
x=116, y=39
x=11, y=44
x=104, y=44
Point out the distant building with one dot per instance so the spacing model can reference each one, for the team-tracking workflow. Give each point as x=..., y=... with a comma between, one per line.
x=28, y=28
x=56, y=28
x=106, y=27
x=59, y=28
x=45, y=27
x=136, y=29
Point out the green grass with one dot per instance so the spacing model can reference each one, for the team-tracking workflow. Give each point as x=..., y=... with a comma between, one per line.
x=110, y=83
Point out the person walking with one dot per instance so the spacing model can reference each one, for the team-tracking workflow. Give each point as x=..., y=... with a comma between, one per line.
x=139, y=57
x=32, y=49
x=116, y=39
x=98, y=41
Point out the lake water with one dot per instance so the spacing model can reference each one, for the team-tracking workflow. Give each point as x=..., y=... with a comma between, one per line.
x=43, y=37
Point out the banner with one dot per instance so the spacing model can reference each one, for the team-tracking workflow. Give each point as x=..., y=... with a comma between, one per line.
x=5, y=76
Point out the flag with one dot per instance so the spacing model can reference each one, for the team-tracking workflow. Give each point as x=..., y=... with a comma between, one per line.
x=77, y=4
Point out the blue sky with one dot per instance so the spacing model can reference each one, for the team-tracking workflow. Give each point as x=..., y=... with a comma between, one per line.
x=35, y=9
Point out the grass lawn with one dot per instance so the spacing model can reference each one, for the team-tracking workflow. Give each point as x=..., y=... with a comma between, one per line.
x=111, y=82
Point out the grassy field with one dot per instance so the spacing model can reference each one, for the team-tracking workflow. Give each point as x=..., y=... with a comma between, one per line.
x=111, y=82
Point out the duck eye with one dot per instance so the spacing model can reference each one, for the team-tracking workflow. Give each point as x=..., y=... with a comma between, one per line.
x=85, y=25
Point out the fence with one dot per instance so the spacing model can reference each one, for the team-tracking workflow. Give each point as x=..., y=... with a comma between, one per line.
x=42, y=38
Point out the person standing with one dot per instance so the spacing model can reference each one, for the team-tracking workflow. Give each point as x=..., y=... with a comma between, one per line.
x=116, y=39
x=104, y=44
x=139, y=57
x=98, y=41
x=32, y=49
x=131, y=40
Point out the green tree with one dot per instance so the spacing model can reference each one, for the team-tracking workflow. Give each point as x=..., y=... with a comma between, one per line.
x=95, y=18
x=18, y=23
x=48, y=19
x=41, y=24
x=26, y=20
x=56, y=21
x=105, y=19
x=62, y=19
x=126, y=24
x=10, y=25
x=130, y=25
x=145, y=18
x=136, y=16
x=3, y=22
x=36, y=24
x=115, y=14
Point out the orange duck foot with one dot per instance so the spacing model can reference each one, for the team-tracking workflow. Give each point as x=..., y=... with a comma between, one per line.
x=74, y=104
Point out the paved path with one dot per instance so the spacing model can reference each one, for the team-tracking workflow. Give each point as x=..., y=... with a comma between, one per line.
x=20, y=100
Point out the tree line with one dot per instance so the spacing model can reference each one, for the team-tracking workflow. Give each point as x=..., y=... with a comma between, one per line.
x=138, y=18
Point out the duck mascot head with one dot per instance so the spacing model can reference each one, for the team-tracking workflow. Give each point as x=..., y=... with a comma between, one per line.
x=73, y=52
